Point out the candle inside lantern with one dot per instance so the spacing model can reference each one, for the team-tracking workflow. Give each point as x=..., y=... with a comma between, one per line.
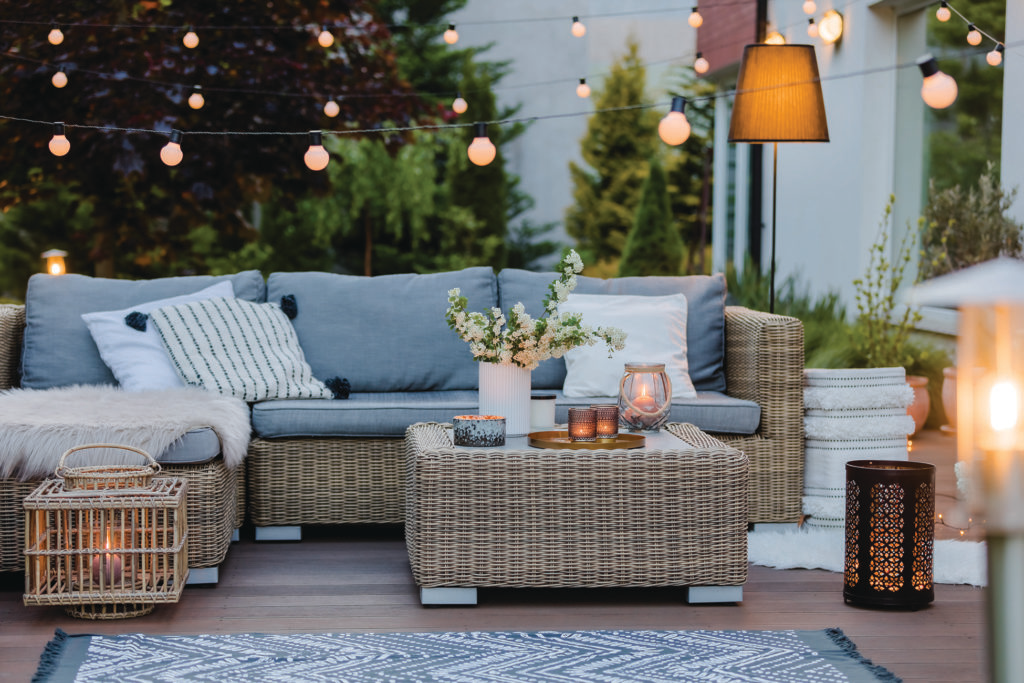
x=107, y=566
x=582, y=424
x=645, y=403
x=607, y=420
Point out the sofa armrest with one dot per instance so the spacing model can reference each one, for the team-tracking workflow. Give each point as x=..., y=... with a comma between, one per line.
x=12, y=328
x=764, y=363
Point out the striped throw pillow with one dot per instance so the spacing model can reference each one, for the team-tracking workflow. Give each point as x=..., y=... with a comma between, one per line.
x=237, y=348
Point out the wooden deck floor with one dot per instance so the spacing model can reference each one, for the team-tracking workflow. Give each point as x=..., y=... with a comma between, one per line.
x=359, y=580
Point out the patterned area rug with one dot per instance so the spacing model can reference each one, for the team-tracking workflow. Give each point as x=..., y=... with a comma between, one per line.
x=510, y=656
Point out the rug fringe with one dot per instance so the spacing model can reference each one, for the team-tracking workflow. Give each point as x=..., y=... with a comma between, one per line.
x=837, y=636
x=50, y=659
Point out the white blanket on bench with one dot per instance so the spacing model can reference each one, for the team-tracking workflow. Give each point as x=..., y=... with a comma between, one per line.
x=38, y=426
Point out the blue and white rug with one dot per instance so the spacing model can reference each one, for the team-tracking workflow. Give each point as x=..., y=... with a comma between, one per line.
x=825, y=656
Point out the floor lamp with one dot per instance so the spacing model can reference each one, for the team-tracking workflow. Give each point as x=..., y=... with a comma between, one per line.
x=778, y=99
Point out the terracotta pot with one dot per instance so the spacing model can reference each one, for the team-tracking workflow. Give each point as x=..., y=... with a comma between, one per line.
x=922, y=402
x=949, y=397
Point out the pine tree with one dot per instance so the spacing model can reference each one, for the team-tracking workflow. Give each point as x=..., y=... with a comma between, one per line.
x=617, y=147
x=654, y=246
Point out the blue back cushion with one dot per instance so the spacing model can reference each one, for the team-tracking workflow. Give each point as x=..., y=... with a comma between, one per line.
x=59, y=351
x=705, y=322
x=385, y=333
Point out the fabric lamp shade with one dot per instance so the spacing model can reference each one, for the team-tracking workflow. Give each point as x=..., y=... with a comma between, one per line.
x=778, y=96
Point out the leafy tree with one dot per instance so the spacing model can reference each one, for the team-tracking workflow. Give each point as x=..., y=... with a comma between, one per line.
x=617, y=148
x=654, y=246
x=125, y=70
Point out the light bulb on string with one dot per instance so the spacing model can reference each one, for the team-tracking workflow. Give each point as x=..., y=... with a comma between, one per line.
x=583, y=90
x=812, y=28
x=196, y=99
x=810, y=7
x=326, y=38
x=481, y=150
x=700, y=65
x=674, y=129
x=995, y=57
x=774, y=38
x=332, y=109
x=459, y=105
x=59, y=145
x=973, y=35
x=578, y=29
x=938, y=90
x=170, y=154
x=191, y=39
x=943, y=13
x=60, y=79
x=695, y=19
x=55, y=36
x=451, y=36
x=316, y=156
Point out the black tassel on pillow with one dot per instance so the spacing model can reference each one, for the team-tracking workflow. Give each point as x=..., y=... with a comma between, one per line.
x=136, y=320
x=339, y=386
x=289, y=307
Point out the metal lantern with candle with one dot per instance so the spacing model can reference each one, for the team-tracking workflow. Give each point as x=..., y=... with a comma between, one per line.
x=990, y=434
x=645, y=396
x=106, y=542
x=55, y=261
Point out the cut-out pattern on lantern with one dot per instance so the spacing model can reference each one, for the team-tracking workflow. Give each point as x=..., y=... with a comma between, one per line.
x=852, y=573
x=924, y=536
x=886, y=537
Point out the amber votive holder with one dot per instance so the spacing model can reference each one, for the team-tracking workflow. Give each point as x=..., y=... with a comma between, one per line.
x=582, y=424
x=607, y=420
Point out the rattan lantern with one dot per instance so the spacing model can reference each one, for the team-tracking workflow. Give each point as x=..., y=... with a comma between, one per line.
x=890, y=533
x=106, y=542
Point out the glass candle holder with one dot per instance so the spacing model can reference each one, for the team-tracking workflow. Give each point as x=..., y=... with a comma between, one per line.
x=607, y=420
x=645, y=396
x=582, y=424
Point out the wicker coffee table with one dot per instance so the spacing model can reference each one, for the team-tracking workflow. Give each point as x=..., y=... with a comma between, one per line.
x=673, y=513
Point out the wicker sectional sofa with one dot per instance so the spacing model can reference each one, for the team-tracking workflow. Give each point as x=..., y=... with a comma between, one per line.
x=326, y=462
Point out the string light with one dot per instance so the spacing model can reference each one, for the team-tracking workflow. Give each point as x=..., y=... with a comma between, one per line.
x=812, y=28
x=332, y=109
x=59, y=145
x=774, y=38
x=831, y=27
x=55, y=36
x=459, y=105
x=943, y=14
x=191, y=40
x=481, y=150
x=171, y=152
x=578, y=29
x=316, y=156
x=938, y=90
x=674, y=129
x=196, y=99
x=60, y=79
x=995, y=57
x=695, y=19
x=451, y=36
x=326, y=38
x=973, y=35
x=583, y=90
x=810, y=7
x=700, y=65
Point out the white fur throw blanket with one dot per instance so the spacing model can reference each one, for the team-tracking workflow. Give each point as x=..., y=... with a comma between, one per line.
x=38, y=426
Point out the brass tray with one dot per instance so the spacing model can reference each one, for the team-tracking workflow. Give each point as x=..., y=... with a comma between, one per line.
x=560, y=440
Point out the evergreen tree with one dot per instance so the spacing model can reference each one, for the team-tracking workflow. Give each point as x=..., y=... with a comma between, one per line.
x=617, y=147
x=654, y=246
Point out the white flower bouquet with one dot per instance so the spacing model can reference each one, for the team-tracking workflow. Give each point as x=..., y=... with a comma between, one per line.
x=522, y=340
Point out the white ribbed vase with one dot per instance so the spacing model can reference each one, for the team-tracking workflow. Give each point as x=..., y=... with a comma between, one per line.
x=505, y=391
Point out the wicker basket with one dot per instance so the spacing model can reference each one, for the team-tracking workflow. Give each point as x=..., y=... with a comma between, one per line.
x=103, y=477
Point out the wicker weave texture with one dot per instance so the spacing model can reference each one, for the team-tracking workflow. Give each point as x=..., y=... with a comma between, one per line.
x=325, y=481
x=12, y=327
x=575, y=518
x=764, y=360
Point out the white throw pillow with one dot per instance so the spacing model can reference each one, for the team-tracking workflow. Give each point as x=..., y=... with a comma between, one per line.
x=237, y=348
x=131, y=347
x=656, y=329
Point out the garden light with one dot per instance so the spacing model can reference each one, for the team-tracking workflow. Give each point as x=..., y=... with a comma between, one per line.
x=60, y=79
x=943, y=13
x=332, y=109
x=578, y=29
x=973, y=35
x=583, y=90
x=831, y=27
x=481, y=151
x=59, y=145
x=316, y=156
x=695, y=19
x=459, y=105
x=810, y=7
x=674, y=129
x=196, y=100
x=451, y=36
x=171, y=152
x=326, y=38
x=700, y=65
x=812, y=28
x=995, y=57
x=55, y=261
x=55, y=36
x=774, y=38
x=938, y=90
x=191, y=40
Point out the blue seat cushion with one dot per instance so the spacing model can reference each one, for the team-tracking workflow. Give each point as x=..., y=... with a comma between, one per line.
x=368, y=414
x=710, y=411
x=194, y=448
x=58, y=349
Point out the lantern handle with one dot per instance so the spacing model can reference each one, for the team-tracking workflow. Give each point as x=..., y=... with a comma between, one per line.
x=153, y=464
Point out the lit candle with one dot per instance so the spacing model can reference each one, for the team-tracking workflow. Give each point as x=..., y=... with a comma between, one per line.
x=107, y=566
x=645, y=403
x=582, y=424
x=607, y=420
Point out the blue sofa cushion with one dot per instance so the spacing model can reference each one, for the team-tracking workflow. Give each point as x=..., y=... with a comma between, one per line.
x=711, y=411
x=705, y=320
x=385, y=333
x=58, y=349
x=373, y=414
x=196, y=447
